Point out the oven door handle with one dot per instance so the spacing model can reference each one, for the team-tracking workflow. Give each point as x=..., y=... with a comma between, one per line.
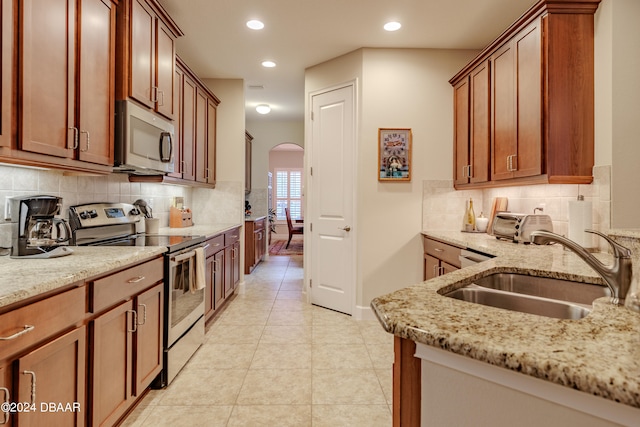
x=182, y=257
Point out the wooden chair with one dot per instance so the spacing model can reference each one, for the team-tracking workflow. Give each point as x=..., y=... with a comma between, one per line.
x=293, y=229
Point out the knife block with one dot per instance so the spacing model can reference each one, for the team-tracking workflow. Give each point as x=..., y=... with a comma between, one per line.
x=179, y=218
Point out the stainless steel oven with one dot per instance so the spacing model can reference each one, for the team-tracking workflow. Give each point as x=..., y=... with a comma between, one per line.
x=114, y=224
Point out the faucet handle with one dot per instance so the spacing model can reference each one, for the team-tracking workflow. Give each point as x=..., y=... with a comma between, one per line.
x=619, y=251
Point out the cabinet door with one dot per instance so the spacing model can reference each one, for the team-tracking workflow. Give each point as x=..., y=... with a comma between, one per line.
x=143, y=48
x=201, y=137
x=165, y=71
x=55, y=373
x=209, y=295
x=6, y=72
x=218, y=280
x=447, y=268
x=47, y=77
x=148, y=342
x=177, y=123
x=461, y=93
x=97, y=80
x=235, y=264
x=6, y=419
x=431, y=265
x=112, y=364
x=188, y=128
x=228, y=270
x=503, y=107
x=479, y=142
x=529, y=97
x=212, y=110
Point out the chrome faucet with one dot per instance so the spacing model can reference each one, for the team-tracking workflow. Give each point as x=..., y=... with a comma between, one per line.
x=617, y=276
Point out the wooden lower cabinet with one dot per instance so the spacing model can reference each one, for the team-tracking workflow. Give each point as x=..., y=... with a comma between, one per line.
x=126, y=354
x=439, y=258
x=231, y=261
x=214, y=291
x=53, y=377
x=254, y=243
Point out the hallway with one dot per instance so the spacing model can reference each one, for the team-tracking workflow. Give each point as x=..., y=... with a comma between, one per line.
x=271, y=359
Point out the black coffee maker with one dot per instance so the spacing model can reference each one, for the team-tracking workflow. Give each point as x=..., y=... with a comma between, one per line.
x=37, y=233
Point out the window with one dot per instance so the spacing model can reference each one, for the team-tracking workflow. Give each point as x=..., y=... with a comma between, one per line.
x=289, y=193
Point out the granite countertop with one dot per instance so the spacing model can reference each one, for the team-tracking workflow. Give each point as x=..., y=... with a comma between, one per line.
x=599, y=354
x=25, y=278
x=254, y=217
x=207, y=230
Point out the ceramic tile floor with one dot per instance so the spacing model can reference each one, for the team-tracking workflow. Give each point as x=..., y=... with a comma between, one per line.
x=271, y=359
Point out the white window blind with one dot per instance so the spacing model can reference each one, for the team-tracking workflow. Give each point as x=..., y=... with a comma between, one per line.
x=289, y=193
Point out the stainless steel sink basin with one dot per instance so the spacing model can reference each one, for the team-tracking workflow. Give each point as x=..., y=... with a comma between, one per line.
x=544, y=296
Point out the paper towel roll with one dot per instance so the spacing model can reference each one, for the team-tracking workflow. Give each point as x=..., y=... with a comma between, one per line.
x=580, y=219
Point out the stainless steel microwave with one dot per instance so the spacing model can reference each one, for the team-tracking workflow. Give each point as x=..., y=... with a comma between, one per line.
x=144, y=142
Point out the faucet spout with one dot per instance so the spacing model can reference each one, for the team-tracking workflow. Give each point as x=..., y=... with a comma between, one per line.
x=617, y=276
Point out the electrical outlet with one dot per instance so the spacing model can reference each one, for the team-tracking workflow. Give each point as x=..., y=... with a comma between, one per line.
x=7, y=209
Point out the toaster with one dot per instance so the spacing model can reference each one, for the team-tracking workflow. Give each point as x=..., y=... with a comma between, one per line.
x=518, y=227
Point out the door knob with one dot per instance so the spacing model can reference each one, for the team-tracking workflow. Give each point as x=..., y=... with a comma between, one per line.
x=345, y=228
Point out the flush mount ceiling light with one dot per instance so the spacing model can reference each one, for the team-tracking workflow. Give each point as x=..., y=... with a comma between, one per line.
x=268, y=64
x=392, y=26
x=263, y=109
x=254, y=24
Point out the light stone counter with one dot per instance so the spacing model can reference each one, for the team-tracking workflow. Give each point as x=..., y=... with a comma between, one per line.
x=207, y=230
x=599, y=354
x=25, y=278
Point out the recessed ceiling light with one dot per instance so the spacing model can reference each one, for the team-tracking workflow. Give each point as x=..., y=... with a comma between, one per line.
x=268, y=64
x=392, y=26
x=263, y=109
x=254, y=24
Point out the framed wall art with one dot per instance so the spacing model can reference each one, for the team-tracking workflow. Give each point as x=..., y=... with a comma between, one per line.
x=394, y=154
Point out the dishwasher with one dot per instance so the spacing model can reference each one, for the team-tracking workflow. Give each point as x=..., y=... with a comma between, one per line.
x=468, y=257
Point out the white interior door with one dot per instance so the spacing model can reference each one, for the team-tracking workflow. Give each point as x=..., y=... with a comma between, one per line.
x=331, y=230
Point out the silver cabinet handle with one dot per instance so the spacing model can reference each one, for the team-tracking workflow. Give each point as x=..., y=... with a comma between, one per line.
x=88, y=140
x=470, y=168
x=345, y=228
x=154, y=94
x=510, y=167
x=206, y=246
x=33, y=385
x=136, y=279
x=435, y=270
x=135, y=321
x=76, y=138
x=7, y=399
x=144, y=316
x=438, y=249
x=161, y=93
x=27, y=328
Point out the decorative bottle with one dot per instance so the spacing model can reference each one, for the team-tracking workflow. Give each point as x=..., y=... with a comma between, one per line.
x=469, y=222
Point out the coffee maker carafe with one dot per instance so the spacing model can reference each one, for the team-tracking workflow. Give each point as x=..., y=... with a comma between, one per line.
x=37, y=233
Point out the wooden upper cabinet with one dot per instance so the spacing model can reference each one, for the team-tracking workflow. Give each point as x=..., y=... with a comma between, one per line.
x=248, y=138
x=471, y=127
x=177, y=123
x=540, y=96
x=147, y=55
x=212, y=117
x=97, y=83
x=6, y=73
x=143, y=46
x=67, y=112
x=188, y=129
x=48, y=77
x=461, y=163
x=201, y=137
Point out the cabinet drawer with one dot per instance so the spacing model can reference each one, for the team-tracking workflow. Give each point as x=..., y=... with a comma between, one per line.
x=443, y=251
x=31, y=324
x=118, y=287
x=231, y=237
x=259, y=224
x=214, y=245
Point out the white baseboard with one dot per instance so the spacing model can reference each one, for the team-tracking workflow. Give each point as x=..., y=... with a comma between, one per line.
x=364, y=313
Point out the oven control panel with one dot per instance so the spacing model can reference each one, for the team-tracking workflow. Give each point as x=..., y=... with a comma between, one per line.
x=103, y=214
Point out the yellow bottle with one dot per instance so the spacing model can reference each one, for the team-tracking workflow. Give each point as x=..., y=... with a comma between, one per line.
x=470, y=217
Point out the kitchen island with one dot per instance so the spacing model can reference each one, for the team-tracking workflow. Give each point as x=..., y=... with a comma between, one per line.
x=598, y=355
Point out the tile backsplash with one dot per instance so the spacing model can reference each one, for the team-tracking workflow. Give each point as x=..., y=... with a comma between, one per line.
x=19, y=181
x=444, y=207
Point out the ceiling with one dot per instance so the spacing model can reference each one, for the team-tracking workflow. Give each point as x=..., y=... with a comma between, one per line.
x=301, y=33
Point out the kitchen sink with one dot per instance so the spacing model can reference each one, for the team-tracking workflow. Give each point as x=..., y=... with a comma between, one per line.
x=544, y=296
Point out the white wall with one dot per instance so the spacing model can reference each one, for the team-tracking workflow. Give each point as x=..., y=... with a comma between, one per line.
x=405, y=88
x=225, y=204
x=625, y=111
